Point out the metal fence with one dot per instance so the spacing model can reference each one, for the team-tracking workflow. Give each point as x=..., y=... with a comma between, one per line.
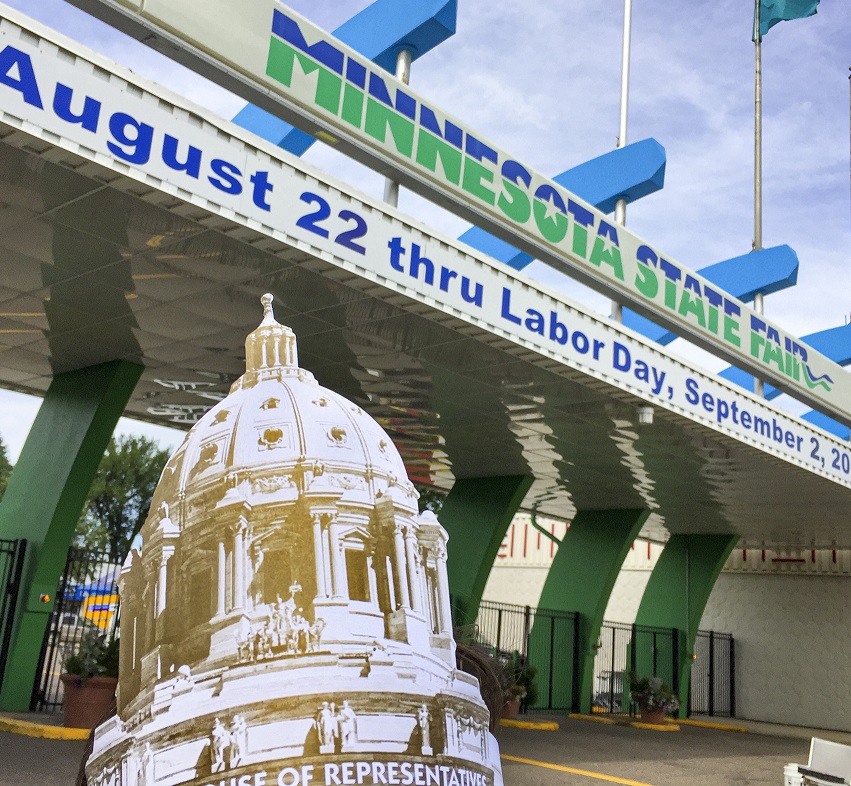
x=713, y=675
x=544, y=639
x=549, y=641
x=12, y=554
x=86, y=604
x=624, y=649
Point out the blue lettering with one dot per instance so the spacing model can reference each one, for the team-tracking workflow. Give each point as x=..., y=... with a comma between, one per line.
x=622, y=360
x=88, y=117
x=321, y=51
x=506, y=307
x=692, y=395
x=229, y=174
x=139, y=142
x=191, y=165
x=25, y=84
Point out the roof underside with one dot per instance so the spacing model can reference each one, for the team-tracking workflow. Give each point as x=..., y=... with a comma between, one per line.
x=97, y=266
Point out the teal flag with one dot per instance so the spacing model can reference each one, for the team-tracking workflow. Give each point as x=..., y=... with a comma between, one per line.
x=773, y=11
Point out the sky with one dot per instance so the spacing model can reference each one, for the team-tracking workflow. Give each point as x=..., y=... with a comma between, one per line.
x=542, y=81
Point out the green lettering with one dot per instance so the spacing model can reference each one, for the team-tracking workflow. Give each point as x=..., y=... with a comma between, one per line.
x=430, y=149
x=380, y=117
x=612, y=257
x=352, y=105
x=773, y=354
x=713, y=319
x=518, y=208
x=554, y=228
x=646, y=282
x=731, y=331
x=281, y=67
x=690, y=305
x=474, y=173
x=670, y=294
x=580, y=240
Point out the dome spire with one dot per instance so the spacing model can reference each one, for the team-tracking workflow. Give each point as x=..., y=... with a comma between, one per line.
x=271, y=346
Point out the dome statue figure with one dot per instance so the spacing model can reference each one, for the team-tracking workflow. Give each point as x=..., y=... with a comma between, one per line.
x=286, y=567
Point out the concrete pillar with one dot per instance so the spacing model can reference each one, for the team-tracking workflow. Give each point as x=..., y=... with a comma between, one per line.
x=444, y=612
x=679, y=590
x=338, y=570
x=319, y=558
x=413, y=569
x=477, y=514
x=222, y=580
x=401, y=570
x=45, y=496
x=582, y=576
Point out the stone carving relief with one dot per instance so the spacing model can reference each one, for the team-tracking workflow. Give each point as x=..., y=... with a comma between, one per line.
x=271, y=485
x=286, y=631
x=272, y=437
x=338, y=437
x=333, y=726
x=423, y=719
x=228, y=744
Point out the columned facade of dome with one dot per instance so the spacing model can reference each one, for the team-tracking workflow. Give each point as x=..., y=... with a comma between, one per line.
x=285, y=562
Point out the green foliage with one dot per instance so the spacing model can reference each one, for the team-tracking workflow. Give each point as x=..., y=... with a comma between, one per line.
x=120, y=495
x=521, y=680
x=5, y=468
x=430, y=498
x=97, y=656
x=652, y=693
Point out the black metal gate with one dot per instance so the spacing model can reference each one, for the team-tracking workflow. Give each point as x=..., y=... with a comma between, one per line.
x=625, y=649
x=12, y=554
x=86, y=601
x=713, y=675
x=545, y=639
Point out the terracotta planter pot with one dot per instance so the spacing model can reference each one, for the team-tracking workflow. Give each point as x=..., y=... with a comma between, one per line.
x=655, y=716
x=511, y=709
x=86, y=702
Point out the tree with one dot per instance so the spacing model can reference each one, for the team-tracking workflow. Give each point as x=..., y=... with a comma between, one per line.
x=120, y=495
x=5, y=468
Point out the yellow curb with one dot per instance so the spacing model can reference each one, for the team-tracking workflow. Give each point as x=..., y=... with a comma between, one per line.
x=595, y=718
x=708, y=725
x=537, y=725
x=669, y=725
x=653, y=726
x=43, y=730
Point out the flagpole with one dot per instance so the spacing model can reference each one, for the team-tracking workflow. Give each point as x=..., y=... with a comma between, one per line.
x=403, y=74
x=620, y=205
x=758, y=385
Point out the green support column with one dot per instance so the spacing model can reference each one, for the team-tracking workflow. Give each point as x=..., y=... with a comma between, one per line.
x=477, y=514
x=678, y=592
x=583, y=574
x=45, y=496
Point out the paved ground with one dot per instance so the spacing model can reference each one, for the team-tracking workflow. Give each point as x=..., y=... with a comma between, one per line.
x=601, y=753
x=28, y=761
x=690, y=757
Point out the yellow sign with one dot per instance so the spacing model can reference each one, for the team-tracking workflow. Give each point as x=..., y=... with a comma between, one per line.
x=100, y=609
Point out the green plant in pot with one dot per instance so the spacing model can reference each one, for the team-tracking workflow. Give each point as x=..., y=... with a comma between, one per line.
x=521, y=683
x=90, y=679
x=655, y=699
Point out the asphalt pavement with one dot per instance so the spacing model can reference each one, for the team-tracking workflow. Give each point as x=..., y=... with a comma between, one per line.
x=579, y=753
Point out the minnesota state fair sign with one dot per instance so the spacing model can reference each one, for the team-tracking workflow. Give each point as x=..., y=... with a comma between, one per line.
x=289, y=66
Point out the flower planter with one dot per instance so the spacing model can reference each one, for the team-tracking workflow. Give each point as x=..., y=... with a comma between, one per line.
x=86, y=702
x=511, y=709
x=655, y=716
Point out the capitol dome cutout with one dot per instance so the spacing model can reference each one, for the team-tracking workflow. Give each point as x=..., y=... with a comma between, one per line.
x=288, y=614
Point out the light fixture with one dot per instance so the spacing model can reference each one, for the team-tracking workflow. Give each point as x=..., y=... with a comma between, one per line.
x=645, y=416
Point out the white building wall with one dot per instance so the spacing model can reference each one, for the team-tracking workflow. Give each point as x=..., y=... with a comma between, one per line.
x=789, y=613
